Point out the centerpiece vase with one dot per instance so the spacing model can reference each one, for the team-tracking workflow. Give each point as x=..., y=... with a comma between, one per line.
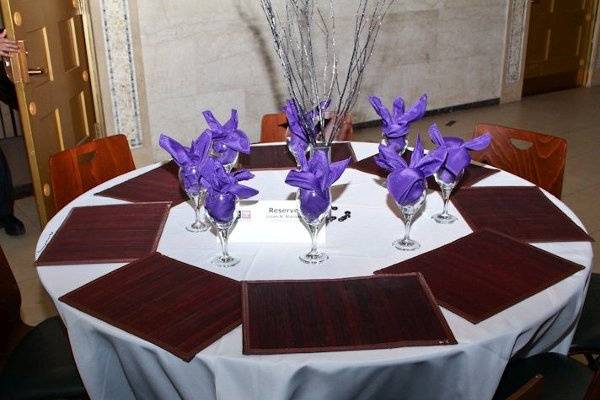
x=324, y=147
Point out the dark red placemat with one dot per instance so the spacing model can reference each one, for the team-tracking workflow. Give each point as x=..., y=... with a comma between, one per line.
x=485, y=272
x=473, y=173
x=524, y=213
x=174, y=305
x=103, y=234
x=159, y=184
x=278, y=156
x=341, y=314
x=369, y=166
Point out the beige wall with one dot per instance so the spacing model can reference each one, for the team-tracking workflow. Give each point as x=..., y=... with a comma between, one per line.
x=218, y=54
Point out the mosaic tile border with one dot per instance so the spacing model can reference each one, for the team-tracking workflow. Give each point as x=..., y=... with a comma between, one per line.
x=516, y=28
x=116, y=27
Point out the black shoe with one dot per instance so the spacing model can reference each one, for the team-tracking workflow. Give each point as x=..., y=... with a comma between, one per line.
x=12, y=225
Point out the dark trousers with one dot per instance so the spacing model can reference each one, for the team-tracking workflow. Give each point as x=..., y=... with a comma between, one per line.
x=9, y=97
x=6, y=188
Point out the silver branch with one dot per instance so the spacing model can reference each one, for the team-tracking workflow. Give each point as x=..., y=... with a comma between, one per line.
x=304, y=36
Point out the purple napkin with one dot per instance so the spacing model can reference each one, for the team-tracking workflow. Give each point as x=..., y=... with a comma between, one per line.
x=299, y=138
x=395, y=125
x=191, y=160
x=457, y=150
x=228, y=140
x=223, y=190
x=314, y=179
x=407, y=182
x=190, y=175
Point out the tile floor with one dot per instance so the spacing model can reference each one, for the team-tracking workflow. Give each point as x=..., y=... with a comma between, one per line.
x=573, y=114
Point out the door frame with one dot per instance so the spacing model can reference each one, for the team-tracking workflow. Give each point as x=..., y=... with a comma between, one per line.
x=99, y=126
x=590, y=60
x=90, y=46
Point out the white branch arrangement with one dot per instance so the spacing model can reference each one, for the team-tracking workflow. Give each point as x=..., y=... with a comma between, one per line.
x=304, y=36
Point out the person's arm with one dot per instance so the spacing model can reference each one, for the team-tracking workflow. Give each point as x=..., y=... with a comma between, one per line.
x=7, y=47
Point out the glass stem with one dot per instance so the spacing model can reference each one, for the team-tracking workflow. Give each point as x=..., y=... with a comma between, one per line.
x=198, y=209
x=407, y=226
x=314, y=230
x=446, y=197
x=200, y=213
x=223, y=238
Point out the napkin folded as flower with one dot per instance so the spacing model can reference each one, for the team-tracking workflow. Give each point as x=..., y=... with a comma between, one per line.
x=228, y=139
x=406, y=182
x=223, y=190
x=191, y=160
x=457, y=150
x=314, y=179
x=299, y=138
x=395, y=125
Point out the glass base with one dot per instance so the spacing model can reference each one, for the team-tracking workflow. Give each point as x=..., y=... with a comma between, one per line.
x=406, y=244
x=197, y=227
x=224, y=261
x=442, y=218
x=314, y=258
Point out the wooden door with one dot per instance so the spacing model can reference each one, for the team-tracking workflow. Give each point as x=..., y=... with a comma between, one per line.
x=559, y=44
x=52, y=79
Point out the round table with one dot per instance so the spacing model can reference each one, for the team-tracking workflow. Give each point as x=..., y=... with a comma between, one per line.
x=117, y=365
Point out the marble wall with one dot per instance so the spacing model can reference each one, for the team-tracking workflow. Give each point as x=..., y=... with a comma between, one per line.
x=121, y=69
x=206, y=54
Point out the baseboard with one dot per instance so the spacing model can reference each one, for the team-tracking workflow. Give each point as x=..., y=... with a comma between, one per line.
x=444, y=110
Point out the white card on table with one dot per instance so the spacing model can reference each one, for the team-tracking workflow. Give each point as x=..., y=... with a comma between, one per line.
x=271, y=221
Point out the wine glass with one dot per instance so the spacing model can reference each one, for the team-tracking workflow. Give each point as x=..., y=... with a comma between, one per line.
x=447, y=184
x=226, y=156
x=189, y=177
x=408, y=213
x=231, y=162
x=291, y=150
x=221, y=215
x=313, y=210
x=401, y=142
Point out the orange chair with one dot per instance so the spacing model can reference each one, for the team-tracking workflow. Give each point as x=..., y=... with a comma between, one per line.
x=537, y=157
x=273, y=128
x=74, y=171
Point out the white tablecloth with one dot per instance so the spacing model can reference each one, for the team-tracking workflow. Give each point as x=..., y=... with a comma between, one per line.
x=117, y=365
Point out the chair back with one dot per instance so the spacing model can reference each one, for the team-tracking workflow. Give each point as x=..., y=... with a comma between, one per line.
x=537, y=157
x=10, y=304
x=74, y=171
x=273, y=128
x=532, y=390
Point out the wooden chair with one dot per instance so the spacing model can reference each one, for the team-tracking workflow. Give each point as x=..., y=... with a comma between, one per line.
x=537, y=157
x=273, y=128
x=76, y=170
x=529, y=391
x=563, y=379
x=586, y=340
x=36, y=361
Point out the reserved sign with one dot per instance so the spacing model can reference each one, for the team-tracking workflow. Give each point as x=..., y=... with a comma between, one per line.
x=271, y=221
